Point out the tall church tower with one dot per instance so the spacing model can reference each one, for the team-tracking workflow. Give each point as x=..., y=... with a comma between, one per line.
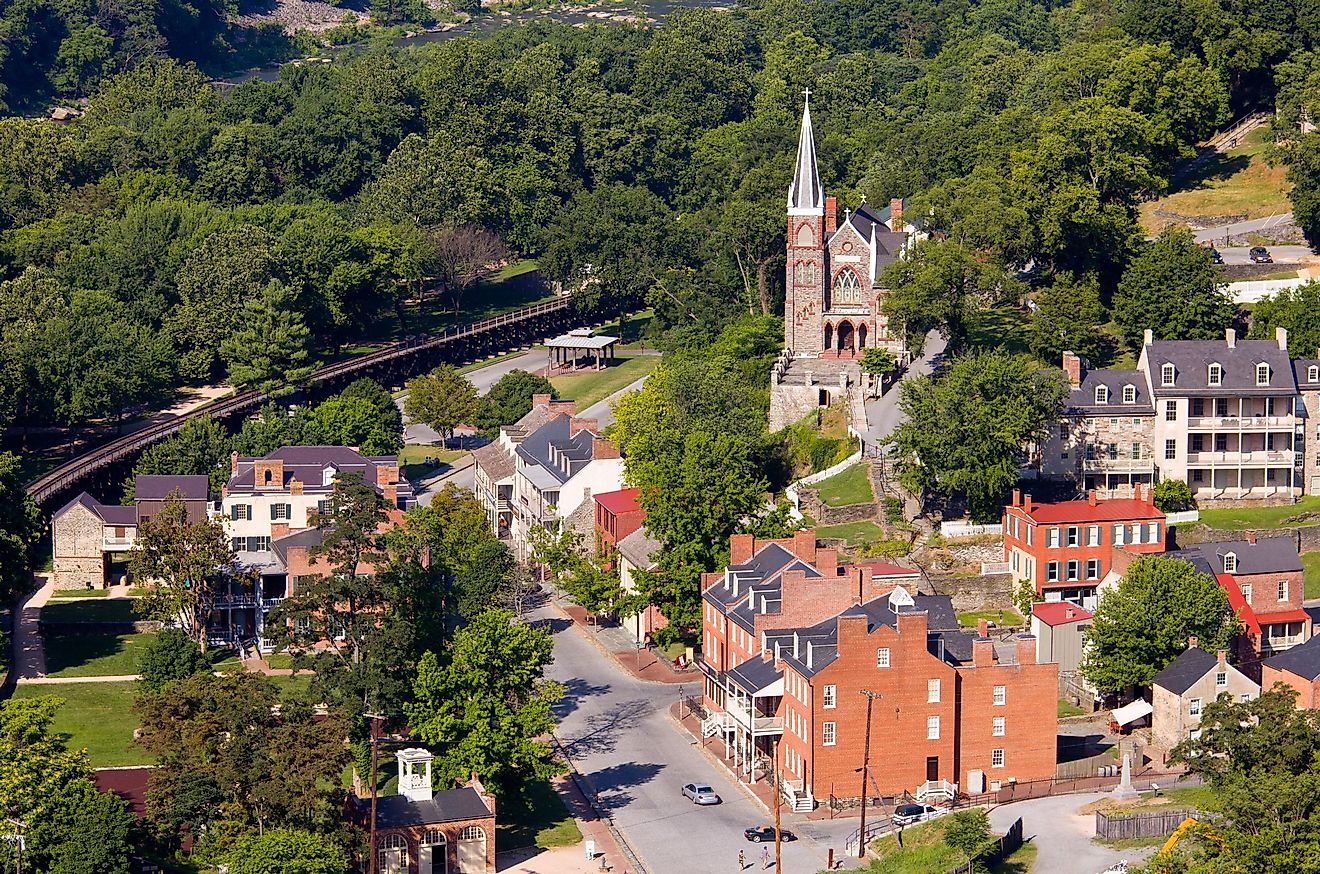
x=804, y=283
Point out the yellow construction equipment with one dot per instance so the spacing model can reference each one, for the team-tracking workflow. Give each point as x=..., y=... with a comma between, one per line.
x=1205, y=832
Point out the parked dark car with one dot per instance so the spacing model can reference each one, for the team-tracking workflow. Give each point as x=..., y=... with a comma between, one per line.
x=767, y=833
x=1260, y=255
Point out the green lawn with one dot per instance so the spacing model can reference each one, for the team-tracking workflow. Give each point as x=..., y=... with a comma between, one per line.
x=923, y=851
x=855, y=533
x=591, y=386
x=1305, y=512
x=412, y=460
x=1311, y=568
x=1067, y=708
x=537, y=818
x=85, y=610
x=628, y=329
x=850, y=486
x=1001, y=617
x=95, y=655
x=97, y=716
x=62, y=594
x=1003, y=327
x=1019, y=862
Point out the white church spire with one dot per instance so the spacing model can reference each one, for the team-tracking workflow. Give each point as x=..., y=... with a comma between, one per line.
x=805, y=196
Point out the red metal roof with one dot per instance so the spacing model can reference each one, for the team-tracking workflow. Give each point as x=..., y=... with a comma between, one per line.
x=1297, y=615
x=1115, y=510
x=1056, y=612
x=620, y=502
x=1241, y=609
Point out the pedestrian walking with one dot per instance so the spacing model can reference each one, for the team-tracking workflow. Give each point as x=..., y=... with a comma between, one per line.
x=765, y=857
x=742, y=861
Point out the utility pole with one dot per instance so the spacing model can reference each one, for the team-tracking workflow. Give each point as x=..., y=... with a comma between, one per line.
x=779, y=862
x=866, y=760
x=371, y=839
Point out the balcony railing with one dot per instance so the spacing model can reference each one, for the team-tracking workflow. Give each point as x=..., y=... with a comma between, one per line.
x=1279, y=644
x=1279, y=457
x=762, y=724
x=1241, y=423
x=1105, y=464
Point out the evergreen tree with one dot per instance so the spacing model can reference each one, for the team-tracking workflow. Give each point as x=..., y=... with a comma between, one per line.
x=269, y=347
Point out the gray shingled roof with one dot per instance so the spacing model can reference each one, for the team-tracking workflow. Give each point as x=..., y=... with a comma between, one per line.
x=556, y=450
x=1082, y=399
x=1302, y=660
x=1268, y=555
x=152, y=487
x=495, y=460
x=1192, y=358
x=1185, y=670
x=639, y=547
x=755, y=674
x=1302, y=371
x=449, y=805
x=307, y=464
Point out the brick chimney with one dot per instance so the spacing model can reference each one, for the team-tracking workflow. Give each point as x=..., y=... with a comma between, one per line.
x=387, y=474
x=602, y=448
x=1092, y=499
x=1222, y=656
x=1017, y=497
x=1251, y=537
x=1192, y=642
x=1230, y=337
x=1026, y=649
x=1026, y=503
x=1069, y=613
x=983, y=653
x=827, y=561
x=295, y=486
x=896, y=214
x=575, y=425
x=268, y=473
x=831, y=214
x=233, y=463
x=982, y=628
x=1072, y=367
x=391, y=495
x=540, y=400
x=278, y=530
x=741, y=548
x=804, y=545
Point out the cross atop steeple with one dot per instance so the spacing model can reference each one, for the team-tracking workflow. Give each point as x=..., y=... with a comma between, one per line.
x=805, y=195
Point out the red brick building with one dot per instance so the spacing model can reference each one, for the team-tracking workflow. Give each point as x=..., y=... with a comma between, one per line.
x=792, y=640
x=1065, y=547
x=1298, y=668
x=618, y=514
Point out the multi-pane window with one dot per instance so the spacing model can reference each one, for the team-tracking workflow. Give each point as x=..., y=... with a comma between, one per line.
x=1313, y=374
x=281, y=511
x=996, y=758
x=1221, y=407
x=1102, y=394
x=933, y=690
x=932, y=728
x=1152, y=532
x=1074, y=533
x=1216, y=375
x=1262, y=374
x=1230, y=562
x=1246, y=593
x=1093, y=568
x=241, y=512
x=827, y=697
x=1221, y=443
x=1221, y=679
x=1073, y=569
x=1052, y=537
x=1052, y=572
x=1167, y=374
x=1170, y=411
x=1136, y=452
x=1129, y=394
x=1000, y=695
x=1194, y=707
x=827, y=734
x=1170, y=450
x=997, y=726
x=1093, y=535
x=1198, y=406
x=1119, y=531
x=1283, y=590
x=847, y=287
x=882, y=657
x=1198, y=442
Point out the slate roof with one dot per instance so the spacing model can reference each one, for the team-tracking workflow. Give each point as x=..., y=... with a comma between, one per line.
x=1268, y=555
x=1301, y=372
x=1082, y=399
x=1191, y=360
x=805, y=192
x=449, y=805
x=110, y=514
x=495, y=460
x=872, y=229
x=556, y=450
x=1302, y=660
x=638, y=548
x=151, y=487
x=1185, y=670
x=307, y=464
x=755, y=674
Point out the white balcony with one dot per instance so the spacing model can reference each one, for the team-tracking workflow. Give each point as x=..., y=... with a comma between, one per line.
x=1251, y=458
x=762, y=724
x=1104, y=464
x=1240, y=423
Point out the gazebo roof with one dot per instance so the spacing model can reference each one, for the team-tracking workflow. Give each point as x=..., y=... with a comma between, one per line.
x=579, y=341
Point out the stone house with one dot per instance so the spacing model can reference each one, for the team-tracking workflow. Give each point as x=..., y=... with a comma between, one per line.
x=1182, y=690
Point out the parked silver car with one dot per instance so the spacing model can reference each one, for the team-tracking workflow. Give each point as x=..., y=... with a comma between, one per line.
x=700, y=793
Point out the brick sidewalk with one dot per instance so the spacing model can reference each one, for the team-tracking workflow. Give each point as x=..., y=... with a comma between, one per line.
x=593, y=827
x=619, y=645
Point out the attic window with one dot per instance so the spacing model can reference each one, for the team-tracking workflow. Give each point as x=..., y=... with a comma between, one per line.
x=1215, y=375
x=328, y=474
x=1167, y=374
x=1102, y=394
x=1262, y=374
x=1313, y=374
x=1129, y=394
x=1230, y=562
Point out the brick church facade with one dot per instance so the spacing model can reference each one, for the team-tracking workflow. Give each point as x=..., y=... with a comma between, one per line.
x=832, y=305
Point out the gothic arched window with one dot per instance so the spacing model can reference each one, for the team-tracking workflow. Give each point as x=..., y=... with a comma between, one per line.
x=804, y=273
x=847, y=287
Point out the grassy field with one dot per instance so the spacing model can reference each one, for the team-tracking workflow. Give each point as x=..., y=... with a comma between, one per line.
x=850, y=486
x=412, y=464
x=1003, y=327
x=536, y=819
x=855, y=533
x=923, y=851
x=85, y=610
x=628, y=329
x=1311, y=568
x=1067, y=708
x=97, y=716
x=1020, y=862
x=68, y=594
x=1237, y=182
x=1000, y=617
x=95, y=655
x=1305, y=512
x=589, y=387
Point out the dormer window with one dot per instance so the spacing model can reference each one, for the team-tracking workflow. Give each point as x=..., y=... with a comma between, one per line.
x=1262, y=374
x=1216, y=375
x=1230, y=562
x=1129, y=394
x=1102, y=394
x=1313, y=374
x=1167, y=374
x=328, y=474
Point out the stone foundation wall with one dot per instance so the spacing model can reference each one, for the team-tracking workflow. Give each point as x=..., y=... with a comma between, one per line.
x=73, y=572
x=824, y=514
x=974, y=593
x=1306, y=537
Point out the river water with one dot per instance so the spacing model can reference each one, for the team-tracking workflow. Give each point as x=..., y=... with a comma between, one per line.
x=598, y=13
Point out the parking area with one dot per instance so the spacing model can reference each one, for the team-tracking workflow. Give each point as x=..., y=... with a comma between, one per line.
x=1063, y=837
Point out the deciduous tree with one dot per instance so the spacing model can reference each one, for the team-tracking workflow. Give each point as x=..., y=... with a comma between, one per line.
x=510, y=399
x=170, y=656
x=1171, y=288
x=1298, y=310
x=286, y=851
x=442, y=399
x=460, y=256
x=1068, y=317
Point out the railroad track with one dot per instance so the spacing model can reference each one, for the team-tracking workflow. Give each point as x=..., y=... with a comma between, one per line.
x=54, y=481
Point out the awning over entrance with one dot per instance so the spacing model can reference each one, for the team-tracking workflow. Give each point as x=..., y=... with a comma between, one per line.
x=1132, y=712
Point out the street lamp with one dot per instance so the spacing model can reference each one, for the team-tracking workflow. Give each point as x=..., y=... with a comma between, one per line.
x=375, y=744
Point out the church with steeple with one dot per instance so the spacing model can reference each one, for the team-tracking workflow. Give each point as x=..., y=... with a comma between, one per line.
x=832, y=294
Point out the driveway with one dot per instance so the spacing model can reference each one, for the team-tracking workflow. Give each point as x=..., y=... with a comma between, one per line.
x=882, y=414
x=1257, y=225
x=1280, y=254
x=1062, y=837
x=618, y=731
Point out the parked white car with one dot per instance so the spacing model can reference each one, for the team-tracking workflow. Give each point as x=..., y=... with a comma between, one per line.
x=906, y=814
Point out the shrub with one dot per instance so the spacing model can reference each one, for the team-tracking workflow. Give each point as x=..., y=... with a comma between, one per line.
x=893, y=510
x=1173, y=496
x=171, y=656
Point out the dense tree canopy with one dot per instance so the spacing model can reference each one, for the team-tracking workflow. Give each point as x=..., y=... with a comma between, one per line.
x=1172, y=289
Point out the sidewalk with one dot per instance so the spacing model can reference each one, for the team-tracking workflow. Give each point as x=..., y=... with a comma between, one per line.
x=29, y=653
x=618, y=644
x=593, y=828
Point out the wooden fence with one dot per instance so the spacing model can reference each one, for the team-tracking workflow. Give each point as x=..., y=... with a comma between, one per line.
x=1155, y=824
x=997, y=852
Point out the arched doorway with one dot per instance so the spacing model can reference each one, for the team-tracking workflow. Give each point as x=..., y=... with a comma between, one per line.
x=431, y=856
x=845, y=338
x=472, y=850
x=861, y=336
x=393, y=857
x=829, y=336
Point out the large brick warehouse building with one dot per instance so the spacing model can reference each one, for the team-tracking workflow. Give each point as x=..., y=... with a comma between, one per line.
x=795, y=643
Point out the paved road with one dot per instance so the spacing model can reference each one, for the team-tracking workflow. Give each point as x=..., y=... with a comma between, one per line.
x=1280, y=254
x=618, y=731
x=1263, y=224
x=882, y=414
x=1063, y=838
x=483, y=378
